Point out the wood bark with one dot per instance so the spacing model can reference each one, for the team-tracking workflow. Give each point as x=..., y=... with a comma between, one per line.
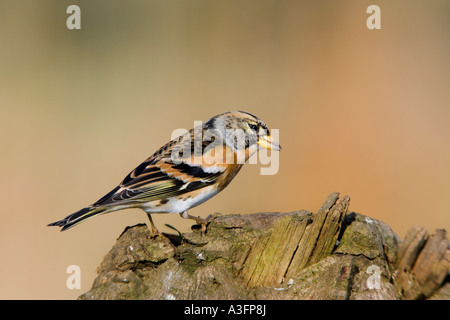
x=332, y=254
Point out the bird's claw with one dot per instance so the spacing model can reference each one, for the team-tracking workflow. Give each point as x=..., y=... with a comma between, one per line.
x=204, y=222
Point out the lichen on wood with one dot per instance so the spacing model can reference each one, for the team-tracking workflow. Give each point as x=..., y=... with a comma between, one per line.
x=332, y=254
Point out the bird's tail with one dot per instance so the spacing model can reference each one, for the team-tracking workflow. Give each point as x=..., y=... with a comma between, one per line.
x=77, y=217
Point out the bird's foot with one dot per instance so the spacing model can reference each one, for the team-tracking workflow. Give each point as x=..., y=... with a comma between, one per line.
x=208, y=219
x=201, y=221
x=154, y=233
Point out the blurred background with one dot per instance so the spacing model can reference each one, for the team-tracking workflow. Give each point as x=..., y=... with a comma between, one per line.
x=362, y=112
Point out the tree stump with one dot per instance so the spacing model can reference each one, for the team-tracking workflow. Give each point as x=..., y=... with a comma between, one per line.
x=331, y=254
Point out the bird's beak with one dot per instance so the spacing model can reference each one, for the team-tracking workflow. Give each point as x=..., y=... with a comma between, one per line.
x=269, y=143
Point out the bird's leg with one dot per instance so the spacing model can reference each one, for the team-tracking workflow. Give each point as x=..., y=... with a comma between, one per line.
x=201, y=221
x=152, y=227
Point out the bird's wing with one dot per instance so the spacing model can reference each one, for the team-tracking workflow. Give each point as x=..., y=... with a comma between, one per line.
x=161, y=176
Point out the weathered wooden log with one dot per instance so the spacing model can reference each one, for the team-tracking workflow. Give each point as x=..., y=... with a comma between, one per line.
x=423, y=263
x=331, y=254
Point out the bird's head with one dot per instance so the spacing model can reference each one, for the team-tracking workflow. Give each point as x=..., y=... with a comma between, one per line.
x=243, y=130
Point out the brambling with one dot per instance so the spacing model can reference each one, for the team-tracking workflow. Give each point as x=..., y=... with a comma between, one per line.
x=185, y=172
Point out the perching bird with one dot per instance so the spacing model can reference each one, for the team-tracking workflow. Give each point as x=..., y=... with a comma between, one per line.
x=185, y=172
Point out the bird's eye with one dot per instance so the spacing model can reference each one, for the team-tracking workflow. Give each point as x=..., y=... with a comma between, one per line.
x=254, y=127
